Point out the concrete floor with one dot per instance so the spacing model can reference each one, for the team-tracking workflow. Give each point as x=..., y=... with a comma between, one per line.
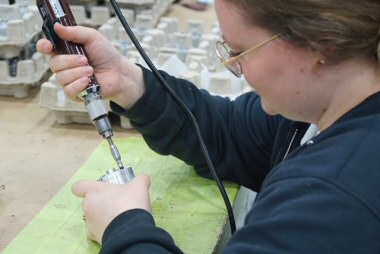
x=38, y=156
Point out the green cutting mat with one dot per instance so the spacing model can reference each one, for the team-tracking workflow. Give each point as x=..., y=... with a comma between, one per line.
x=189, y=207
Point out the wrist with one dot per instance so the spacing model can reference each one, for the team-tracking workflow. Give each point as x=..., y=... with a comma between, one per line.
x=132, y=85
x=129, y=219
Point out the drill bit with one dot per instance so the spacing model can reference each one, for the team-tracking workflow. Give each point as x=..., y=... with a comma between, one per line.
x=115, y=153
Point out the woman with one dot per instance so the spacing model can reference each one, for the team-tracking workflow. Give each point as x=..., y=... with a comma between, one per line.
x=307, y=140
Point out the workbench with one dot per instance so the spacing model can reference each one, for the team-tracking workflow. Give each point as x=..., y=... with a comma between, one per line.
x=188, y=206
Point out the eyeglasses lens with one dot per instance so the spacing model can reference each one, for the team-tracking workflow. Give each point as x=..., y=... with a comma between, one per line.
x=224, y=54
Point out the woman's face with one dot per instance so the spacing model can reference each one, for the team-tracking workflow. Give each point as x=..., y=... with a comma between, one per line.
x=286, y=77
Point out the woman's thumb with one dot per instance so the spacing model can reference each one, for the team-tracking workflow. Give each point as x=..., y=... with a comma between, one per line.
x=77, y=34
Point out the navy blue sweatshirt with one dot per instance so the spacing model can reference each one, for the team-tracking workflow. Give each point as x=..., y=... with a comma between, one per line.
x=323, y=197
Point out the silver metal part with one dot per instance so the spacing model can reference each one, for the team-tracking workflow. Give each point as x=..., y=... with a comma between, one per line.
x=120, y=176
x=99, y=114
x=95, y=106
x=115, y=153
x=103, y=125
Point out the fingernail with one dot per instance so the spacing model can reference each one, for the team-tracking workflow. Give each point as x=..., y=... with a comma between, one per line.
x=83, y=60
x=88, y=70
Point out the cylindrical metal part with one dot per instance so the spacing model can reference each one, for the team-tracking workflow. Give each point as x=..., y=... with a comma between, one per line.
x=103, y=125
x=115, y=153
x=120, y=176
x=98, y=113
x=95, y=106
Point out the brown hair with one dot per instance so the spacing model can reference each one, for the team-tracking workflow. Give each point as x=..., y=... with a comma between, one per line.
x=338, y=29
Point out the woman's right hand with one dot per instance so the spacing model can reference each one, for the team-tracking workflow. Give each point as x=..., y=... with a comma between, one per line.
x=121, y=80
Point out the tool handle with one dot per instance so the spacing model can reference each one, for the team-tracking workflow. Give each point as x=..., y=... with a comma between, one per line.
x=53, y=11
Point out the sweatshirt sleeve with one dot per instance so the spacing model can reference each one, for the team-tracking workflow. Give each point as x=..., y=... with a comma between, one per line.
x=318, y=216
x=238, y=134
x=304, y=214
x=134, y=232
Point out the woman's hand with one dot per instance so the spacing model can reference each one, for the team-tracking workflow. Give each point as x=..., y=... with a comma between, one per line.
x=104, y=201
x=120, y=80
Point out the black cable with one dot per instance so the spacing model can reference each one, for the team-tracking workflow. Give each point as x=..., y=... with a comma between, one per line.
x=185, y=109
